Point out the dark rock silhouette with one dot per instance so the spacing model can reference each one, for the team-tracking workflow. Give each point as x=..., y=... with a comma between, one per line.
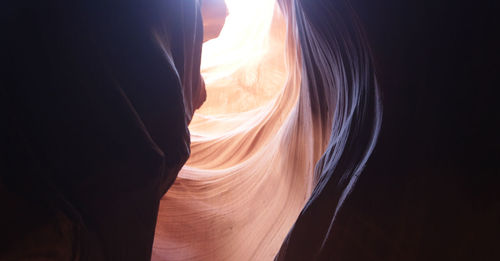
x=96, y=114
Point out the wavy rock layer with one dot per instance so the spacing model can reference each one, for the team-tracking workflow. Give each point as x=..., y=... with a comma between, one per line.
x=280, y=95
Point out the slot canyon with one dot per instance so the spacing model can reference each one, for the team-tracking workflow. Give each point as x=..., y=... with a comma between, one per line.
x=248, y=130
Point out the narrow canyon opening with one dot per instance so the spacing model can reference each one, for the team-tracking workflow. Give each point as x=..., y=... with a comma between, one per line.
x=252, y=156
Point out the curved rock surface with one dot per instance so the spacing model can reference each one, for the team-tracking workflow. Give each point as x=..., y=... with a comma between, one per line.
x=289, y=84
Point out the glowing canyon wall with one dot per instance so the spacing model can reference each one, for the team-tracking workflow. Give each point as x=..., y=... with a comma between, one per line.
x=287, y=85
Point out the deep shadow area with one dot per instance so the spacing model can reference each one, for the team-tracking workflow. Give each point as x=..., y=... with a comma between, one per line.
x=95, y=123
x=430, y=189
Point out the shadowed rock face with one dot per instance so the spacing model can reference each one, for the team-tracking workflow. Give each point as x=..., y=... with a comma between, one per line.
x=97, y=99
